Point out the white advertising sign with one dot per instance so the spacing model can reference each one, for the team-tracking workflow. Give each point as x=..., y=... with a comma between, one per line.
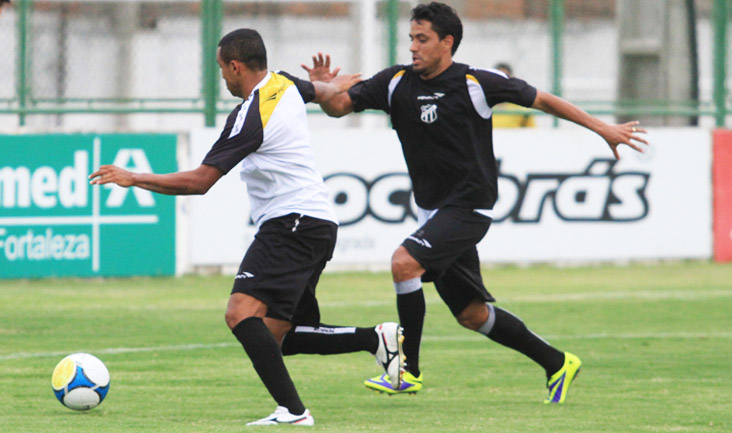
x=562, y=198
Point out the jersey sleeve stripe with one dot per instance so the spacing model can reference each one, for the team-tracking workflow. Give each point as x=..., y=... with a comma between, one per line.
x=477, y=96
x=393, y=83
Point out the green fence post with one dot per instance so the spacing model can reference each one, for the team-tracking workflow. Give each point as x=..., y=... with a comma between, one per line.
x=211, y=16
x=557, y=28
x=22, y=66
x=720, y=14
x=393, y=23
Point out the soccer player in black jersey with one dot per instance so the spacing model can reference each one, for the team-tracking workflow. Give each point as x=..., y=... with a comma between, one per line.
x=441, y=111
x=272, y=309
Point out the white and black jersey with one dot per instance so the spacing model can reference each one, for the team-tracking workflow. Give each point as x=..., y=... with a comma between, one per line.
x=445, y=127
x=268, y=135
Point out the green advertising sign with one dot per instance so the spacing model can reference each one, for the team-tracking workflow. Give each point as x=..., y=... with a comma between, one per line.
x=54, y=224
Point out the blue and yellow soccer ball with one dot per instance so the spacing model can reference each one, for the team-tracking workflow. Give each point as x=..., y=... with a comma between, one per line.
x=80, y=381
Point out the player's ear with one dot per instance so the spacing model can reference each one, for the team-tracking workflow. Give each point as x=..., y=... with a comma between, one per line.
x=239, y=67
x=447, y=42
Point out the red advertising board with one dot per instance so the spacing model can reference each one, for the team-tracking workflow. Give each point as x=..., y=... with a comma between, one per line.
x=722, y=181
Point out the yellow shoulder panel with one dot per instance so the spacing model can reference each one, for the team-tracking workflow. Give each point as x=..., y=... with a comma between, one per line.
x=270, y=95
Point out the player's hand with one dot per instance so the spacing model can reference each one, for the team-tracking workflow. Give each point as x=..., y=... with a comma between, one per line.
x=321, y=69
x=111, y=174
x=626, y=133
x=345, y=82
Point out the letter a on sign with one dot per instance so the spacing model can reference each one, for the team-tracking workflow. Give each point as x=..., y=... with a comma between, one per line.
x=135, y=161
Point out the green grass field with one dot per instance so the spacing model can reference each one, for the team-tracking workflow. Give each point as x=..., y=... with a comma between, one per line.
x=655, y=340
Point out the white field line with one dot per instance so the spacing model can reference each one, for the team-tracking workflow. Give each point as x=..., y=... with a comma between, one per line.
x=118, y=350
x=427, y=338
x=684, y=295
x=569, y=297
x=640, y=294
x=573, y=297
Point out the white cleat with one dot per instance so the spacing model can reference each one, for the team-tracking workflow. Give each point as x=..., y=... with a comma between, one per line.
x=282, y=415
x=390, y=355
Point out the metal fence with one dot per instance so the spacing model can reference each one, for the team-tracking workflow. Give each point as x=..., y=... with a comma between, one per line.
x=136, y=64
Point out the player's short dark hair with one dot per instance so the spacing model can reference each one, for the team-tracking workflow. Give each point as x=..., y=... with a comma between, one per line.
x=444, y=19
x=503, y=66
x=246, y=46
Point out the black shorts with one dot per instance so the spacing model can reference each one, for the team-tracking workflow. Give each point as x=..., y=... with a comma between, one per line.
x=283, y=264
x=445, y=246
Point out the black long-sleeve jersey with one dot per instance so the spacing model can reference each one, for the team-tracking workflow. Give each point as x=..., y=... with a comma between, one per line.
x=445, y=127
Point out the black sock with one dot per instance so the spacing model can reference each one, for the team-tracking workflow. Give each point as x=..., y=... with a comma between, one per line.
x=266, y=357
x=329, y=340
x=411, y=308
x=510, y=331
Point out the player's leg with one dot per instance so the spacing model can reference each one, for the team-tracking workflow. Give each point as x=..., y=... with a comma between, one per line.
x=384, y=341
x=407, y=273
x=329, y=340
x=507, y=329
x=462, y=289
x=245, y=317
x=425, y=255
x=272, y=280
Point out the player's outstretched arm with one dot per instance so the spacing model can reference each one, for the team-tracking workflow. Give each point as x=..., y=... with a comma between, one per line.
x=614, y=135
x=335, y=106
x=324, y=91
x=190, y=182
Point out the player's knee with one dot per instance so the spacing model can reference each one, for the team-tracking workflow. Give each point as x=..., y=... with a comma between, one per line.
x=470, y=322
x=398, y=261
x=403, y=265
x=242, y=306
x=232, y=319
x=474, y=316
x=234, y=316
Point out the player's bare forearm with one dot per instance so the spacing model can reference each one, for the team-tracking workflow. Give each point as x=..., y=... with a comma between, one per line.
x=169, y=184
x=334, y=105
x=326, y=91
x=563, y=109
x=190, y=182
x=337, y=106
x=614, y=135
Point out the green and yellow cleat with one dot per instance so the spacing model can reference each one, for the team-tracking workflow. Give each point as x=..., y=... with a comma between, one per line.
x=559, y=383
x=409, y=384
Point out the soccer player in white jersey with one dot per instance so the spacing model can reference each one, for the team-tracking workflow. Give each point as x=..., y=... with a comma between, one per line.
x=272, y=309
x=441, y=111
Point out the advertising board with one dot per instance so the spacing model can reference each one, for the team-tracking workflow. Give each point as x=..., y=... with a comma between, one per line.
x=54, y=224
x=562, y=198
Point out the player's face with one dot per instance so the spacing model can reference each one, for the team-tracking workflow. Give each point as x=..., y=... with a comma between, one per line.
x=430, y=54
x=228, y=73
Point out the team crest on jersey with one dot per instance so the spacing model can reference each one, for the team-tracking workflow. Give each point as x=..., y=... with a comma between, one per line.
x=429, y=113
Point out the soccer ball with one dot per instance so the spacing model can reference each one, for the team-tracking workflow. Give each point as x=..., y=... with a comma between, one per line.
x=80, y=381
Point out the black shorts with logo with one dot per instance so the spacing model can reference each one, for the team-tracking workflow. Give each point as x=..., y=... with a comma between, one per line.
x=445, y=246
x=283, y=264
